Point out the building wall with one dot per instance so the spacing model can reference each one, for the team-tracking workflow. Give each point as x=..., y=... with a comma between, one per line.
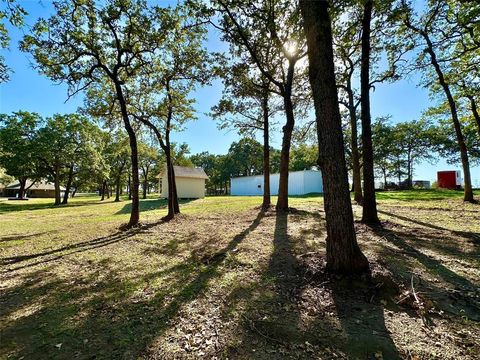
x=299, y=183
x=313, y=181
x=187, y=188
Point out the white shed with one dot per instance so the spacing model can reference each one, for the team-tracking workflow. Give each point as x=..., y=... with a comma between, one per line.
x=190, y=182
x=299, y=183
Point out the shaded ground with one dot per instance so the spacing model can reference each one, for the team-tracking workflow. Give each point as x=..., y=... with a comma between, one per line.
x=226, y=280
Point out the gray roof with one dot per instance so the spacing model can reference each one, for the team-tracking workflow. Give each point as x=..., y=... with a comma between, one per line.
x=39, y=185
x=187, y=172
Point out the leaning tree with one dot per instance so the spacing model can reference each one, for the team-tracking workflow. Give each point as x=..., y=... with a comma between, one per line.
x=86, y=42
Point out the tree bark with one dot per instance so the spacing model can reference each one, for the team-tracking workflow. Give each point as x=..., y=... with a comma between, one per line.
x=343, y=252
x=169, y=168
x=468, y=192
x=356, y=171
x=145, y=181
x=369, y=214
x=282, y=200
x=56, y=181
x=135, y=212
x=266, y=152
x=68, y=185
x=129, y=187
x=21, y=191
x=476, y=116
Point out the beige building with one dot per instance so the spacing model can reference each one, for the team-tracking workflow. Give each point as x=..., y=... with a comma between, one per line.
x=39, y=189
x=190, y=182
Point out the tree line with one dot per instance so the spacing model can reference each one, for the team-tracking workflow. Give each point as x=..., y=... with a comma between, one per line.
x=138, y=63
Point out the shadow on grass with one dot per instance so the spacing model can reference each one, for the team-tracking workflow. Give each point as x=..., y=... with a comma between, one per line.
x=6, y=207
x=475, y=237
x=291, y=315
x=455, y=299
x=149, y=205
x=102, y=315
x=17, y=237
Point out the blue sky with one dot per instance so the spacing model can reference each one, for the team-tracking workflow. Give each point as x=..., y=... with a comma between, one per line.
x=27, y=90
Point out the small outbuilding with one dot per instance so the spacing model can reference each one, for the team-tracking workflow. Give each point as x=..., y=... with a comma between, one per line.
x=190, y=182
x=40, y=189
x=299, y=183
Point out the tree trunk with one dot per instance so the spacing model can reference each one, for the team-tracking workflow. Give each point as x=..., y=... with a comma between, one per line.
x=369, y=214
x=266, y=153
x=21, y=192
x=343, y=252
x=145, y=181
x=104, y=188
x=171, y=207
x=468, y=192
x=117, y=189
x=74, y=192
x=69, y=185
x=176, y=206
x=476, y=116
x=282, y=200
x=57, y=185
x=135, y=212
x=356, y=177
x=129, y=187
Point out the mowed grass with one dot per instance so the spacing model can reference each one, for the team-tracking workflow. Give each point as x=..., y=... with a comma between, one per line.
x=228, y=281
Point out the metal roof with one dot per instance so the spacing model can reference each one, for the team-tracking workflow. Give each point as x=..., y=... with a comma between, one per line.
x=39, y=185
x=187, y=172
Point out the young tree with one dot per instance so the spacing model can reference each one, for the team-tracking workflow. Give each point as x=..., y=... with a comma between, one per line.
x=88, y=43
x=270, y=38
x=148, y=158
x=432, y=33
x=343, y=252
x=117, y=154
x=246, y=106
x=18, y=136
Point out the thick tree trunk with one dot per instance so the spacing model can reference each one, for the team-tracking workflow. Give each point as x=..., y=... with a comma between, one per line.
x=135, y=212
x=266, y=153
x=176, y=206
x=343, y=252
x=476, y=116
x=282, y=200
x=68, y=185
x=21, y=191
x=468, y=192
x=357, y=179
x=170, y=176
x=369, y=214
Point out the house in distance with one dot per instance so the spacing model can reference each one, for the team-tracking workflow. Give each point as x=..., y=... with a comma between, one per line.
x=299, y=183
x=39, y=189
x=190, y=182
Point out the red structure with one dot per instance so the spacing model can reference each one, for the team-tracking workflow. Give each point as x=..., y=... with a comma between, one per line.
x=448, y=179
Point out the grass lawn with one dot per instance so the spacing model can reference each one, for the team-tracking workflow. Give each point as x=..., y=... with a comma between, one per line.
x=225, y=280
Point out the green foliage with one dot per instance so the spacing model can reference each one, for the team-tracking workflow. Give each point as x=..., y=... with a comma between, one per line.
x=18, y=144
x=399, y=147
x=303, y=157
x=13, y=13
